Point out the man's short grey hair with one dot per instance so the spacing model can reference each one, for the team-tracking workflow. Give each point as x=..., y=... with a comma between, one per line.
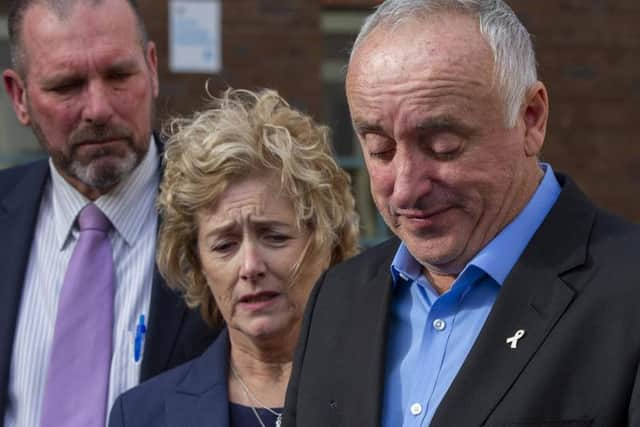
x=513, y=54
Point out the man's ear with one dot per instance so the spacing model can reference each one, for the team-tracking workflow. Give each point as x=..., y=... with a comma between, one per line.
x=17, y=91
x=152, y=63
x=535, y=116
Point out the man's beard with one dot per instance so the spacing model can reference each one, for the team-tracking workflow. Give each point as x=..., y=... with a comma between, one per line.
x=107, y=176
x=95, y=171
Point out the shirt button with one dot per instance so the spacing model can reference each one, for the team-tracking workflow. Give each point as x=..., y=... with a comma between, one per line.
x=439, y=324
x=416, y=409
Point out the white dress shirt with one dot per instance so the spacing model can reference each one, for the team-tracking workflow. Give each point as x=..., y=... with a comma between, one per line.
x=131, y=209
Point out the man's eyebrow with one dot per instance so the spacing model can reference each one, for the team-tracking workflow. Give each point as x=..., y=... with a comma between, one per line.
x=445, y=124
x=53, y=80
x=362, y=127
x=56, y=78
x=124, y=64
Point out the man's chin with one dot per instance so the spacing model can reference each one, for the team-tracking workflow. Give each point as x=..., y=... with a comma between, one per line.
x=438, y=253
x=105, y=172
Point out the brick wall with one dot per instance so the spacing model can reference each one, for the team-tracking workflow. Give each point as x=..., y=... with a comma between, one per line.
x=589, y=58
x=266, y=43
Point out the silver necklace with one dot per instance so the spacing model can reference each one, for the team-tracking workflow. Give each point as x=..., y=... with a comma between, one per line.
x=251, y=397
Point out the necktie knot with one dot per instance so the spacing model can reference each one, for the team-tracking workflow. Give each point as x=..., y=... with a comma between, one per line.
x=92, y=218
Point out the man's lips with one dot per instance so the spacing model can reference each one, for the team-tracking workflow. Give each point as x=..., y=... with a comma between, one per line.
x=97, y=142
x=419, y=215
x=418, y=221
x=97, y=148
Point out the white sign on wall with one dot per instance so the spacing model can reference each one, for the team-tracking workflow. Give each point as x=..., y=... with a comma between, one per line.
x=195, y=36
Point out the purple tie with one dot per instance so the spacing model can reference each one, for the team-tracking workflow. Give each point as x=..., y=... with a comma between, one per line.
x=77, y=384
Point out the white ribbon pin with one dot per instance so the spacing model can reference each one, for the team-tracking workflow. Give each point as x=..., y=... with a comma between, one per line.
x=514, y=339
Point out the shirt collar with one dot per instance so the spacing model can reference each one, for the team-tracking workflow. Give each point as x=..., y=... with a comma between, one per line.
x=499, y=256
x=126, y=206
x=404, y=267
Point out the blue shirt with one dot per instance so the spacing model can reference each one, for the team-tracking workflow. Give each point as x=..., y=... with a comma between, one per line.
x=430, y=335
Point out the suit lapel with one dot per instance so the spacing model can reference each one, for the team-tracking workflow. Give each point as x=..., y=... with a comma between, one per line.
x=533, y=298
x=18, y=216
x=363, y=377
x=201, y=398
x=166, y=313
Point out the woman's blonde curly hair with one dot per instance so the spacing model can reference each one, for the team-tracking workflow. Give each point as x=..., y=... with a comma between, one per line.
x=241, y=134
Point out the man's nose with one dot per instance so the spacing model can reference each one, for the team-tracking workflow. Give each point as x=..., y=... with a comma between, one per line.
x=412, y=180
x=97, y=104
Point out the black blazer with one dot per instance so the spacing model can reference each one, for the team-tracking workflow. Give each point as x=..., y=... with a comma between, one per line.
x=192, y=395
x=175, y=334
x=575, y=291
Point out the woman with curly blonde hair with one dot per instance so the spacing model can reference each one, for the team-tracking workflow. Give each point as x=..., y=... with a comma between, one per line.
x=254, y=208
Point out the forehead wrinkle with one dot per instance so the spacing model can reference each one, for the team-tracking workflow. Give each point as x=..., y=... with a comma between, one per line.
x=428, y=101
x=412, y=78
x=441, y=95
x=225, y=221
x=410, y=74
x=241, y=216
x=244, y=208
x=76, y=37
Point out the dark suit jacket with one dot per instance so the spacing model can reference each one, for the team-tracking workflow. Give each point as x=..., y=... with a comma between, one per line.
x=192, y=395
x=575, y=291
x=175, y=334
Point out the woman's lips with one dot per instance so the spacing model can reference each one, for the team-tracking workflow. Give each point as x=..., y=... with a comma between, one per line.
x=258, y=300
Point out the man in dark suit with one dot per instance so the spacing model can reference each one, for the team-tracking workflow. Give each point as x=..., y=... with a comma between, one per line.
x=84, y=78
x=506, y=297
